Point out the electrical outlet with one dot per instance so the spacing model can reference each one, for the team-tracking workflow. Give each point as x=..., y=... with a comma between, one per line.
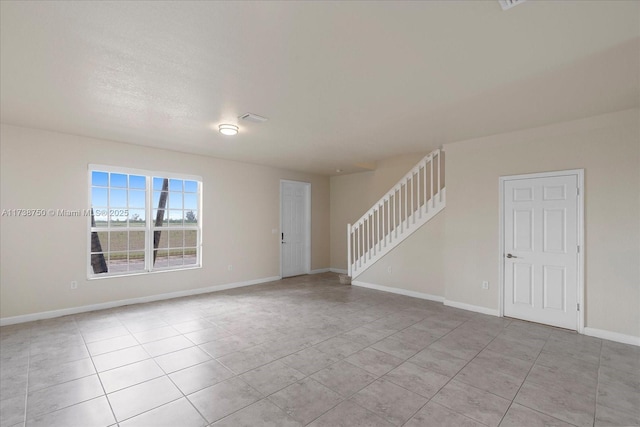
x=485, y=284
x=389, y=270
x=74, y=285
x=230, y=267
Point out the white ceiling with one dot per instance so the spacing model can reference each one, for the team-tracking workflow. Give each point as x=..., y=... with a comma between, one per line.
x=341, y=82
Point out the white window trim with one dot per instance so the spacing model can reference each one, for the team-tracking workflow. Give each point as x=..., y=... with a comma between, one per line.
x=149, y=228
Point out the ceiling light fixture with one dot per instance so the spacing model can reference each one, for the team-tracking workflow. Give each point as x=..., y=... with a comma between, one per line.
x=228, y=130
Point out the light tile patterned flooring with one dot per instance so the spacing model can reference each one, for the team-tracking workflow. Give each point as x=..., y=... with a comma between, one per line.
x=309, y=351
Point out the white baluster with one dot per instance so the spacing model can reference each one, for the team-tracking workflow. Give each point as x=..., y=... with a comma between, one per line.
x=358, y=261
x=433, y=199
x=370, y=234
x=424, y=190
x=400, y=203
x=349, y=249
x=377, y=241
x=439, y=174
x=413, y=217
x=380, y=225
x=361, y=243
x=374, y=234
x=383, y=242
x=406, y=202
x=418, y=182
x=354, y=231
x=366, y=234
x=372, y=246
x=387, y=220
x=393, y=215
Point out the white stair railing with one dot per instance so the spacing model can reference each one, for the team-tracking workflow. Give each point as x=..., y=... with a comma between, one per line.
x=413, y=201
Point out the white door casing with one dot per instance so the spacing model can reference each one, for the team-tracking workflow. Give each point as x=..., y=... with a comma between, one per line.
x=541, y=265
x=295, y=228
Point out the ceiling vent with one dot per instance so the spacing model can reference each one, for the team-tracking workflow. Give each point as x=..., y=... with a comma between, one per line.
x=508, y=4
x=250, y=117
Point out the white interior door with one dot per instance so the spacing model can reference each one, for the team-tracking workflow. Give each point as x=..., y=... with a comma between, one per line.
x=541, y=236
x=295, y=227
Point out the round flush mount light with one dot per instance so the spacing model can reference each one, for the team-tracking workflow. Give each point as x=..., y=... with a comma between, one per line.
x=228, y=130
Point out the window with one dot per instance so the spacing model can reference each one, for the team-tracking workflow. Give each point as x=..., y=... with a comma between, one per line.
x=142, y=221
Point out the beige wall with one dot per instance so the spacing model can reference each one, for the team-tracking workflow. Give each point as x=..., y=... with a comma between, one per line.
x=608, y=148
x=416, y=265
x=352, y=195
x=41, y=256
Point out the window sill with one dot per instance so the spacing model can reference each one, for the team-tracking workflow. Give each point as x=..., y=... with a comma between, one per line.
x=142, y=273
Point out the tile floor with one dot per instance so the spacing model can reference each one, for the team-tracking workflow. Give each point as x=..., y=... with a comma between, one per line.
x=309, y=351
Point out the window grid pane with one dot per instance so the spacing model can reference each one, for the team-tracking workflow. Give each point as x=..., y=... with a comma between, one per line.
x=176, y=236
x=123, y=223
x=111, y=198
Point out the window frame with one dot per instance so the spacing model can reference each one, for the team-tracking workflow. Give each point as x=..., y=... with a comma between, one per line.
x=149, y=223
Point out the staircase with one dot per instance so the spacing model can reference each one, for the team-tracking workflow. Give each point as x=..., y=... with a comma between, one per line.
x=412, y=202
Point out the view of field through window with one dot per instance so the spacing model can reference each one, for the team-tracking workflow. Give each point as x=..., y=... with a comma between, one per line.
x=141, y=223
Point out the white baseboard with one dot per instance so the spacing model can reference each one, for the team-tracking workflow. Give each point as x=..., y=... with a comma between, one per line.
x=474, y=308
x=111, y=304
x=327, y=270
x=612, y=336
x=398, y=291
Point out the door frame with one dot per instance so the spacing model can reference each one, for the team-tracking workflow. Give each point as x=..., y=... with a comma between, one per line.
x=579, y=174
x=306, y=223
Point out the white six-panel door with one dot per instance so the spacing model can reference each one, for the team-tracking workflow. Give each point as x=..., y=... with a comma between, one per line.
x=295, y=225
x=541, y=249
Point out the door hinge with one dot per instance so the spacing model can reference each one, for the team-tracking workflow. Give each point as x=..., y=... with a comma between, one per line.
x=578, y=306
x=578, y=248
x=578, y=191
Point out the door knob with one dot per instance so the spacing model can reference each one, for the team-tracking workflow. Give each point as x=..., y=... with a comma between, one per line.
x=511, y=256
